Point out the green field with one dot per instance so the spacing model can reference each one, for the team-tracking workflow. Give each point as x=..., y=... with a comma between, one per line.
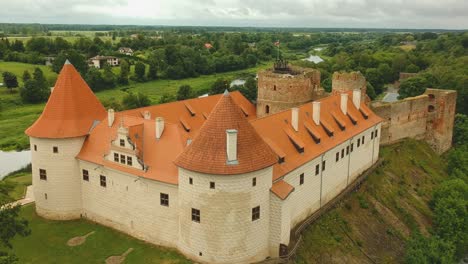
x=15, y=116
x=70, y=36
x=18, y=69
x=47, y=243
x=20, y=180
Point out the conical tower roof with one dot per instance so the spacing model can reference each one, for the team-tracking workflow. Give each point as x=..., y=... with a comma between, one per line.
x=71, y=110
x=207, y=152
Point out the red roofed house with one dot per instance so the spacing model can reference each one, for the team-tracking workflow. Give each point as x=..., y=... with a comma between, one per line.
x=204, y=175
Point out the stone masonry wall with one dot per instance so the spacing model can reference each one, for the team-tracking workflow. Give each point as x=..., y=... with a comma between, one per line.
x=349, y=81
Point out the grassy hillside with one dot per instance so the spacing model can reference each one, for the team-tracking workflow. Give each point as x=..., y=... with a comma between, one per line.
x=373, y=224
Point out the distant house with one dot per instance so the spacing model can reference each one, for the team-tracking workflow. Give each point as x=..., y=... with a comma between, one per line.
x=208, y=46
x=126, y=51
x=99, y=61
x=49, y=60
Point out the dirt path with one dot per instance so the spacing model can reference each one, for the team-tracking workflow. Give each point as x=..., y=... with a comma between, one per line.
x=118, y=259
x=76, y=241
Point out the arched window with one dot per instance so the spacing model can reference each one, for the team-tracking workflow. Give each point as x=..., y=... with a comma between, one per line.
x=431, y=97
x=274, y=87
x=267, y=109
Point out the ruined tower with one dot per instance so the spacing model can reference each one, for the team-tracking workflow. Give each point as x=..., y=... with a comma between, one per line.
x=285, y=86
x=349, y=81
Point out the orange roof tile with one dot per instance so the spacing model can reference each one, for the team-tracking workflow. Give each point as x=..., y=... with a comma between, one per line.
x=207, y=152
x=282, y=189
x=71, y=110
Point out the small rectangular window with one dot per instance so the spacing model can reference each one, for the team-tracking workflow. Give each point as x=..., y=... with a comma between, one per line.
x=195, y=215
x=372, y=135
x=301, y=179
x=35, y=147
x=317, y=169
x=254, y=181
x=363, y=137
x=85, y=175
x=55, y=149
x=212, y=185
x=42, y=174
x=255, y=213
x=122, y=159
x=337, y=156
x=190, y=180
x=358, y=142
x=122, y=143
x=342, y=153
x=103, y=181
x=116, y=157
x=323, y=165
x=129, y=161
x=164, y=199
x=352, y=147
x=376, y=133
x=347, y=150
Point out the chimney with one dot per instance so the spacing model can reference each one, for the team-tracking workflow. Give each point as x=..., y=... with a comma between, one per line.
x=316, y=112
x=231, y=145
x=295, y=118
x=147, y=115
x=159, y=127
x=344, y=103
x=357, y=98
x=110, y=117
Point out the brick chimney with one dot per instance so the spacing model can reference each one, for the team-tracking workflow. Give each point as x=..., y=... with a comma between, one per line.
x=295, y=118
x=231, y=145
x=316, y=112
x=357, y=98
x=159, y=127
x=110, y=117
x=344, y=103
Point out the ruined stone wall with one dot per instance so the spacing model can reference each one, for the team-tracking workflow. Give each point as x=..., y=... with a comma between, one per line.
x=429, y=117
x=349, y=81
x=282, y=91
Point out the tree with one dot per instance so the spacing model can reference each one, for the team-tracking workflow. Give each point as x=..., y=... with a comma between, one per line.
x=412, y=87
x=249, y=89
x=108, y=77
x=460, y=130
x=132, y=101
x=26, y=76
x=74, y=57
x=140, y=70
x=94, y=79
x=422, y=250
x=166, y=98
x=219, y=86
x=124, y=72
x=184, y=92
x=35, y=90
x=10, y=80
x=152, y=71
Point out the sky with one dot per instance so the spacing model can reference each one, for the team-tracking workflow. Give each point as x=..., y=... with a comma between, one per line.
x=435, y=14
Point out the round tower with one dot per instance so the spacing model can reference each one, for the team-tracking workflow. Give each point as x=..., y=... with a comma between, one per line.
x=225, y=176
x=343, y=82
x=284, y=87
x=56, y=139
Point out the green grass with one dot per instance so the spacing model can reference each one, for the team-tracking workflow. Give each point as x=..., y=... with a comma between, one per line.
x=18, y=68
x=47, y=243
x=378, y=218
x=16, y=117
x=20, y=180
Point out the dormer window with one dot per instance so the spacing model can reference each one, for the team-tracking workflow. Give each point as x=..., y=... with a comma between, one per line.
x=129, y=161
x=122, y=159
x=116, y=157
x=122, y=143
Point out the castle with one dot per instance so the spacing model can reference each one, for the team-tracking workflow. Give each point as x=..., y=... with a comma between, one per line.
x=214, y=177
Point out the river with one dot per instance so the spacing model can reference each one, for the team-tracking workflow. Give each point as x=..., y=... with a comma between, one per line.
x=313, y=58
x=13, y=160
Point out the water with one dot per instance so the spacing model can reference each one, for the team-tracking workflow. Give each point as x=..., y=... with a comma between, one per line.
x=237, y=82
x=314, y=58
x=13, y=160
x=318, y=49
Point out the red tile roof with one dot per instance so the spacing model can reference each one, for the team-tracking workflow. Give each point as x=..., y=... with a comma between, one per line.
x=71, y=110
x=282, y=189
x=207, y=152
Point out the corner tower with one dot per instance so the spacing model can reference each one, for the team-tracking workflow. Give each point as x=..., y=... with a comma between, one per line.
x=225, y=176
x=284, y=87
x=56, y=138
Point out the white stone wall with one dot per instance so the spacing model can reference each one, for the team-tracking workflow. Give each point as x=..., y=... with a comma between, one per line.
x=58, y=197
x=226, y=232
x=280, y=227
x=131, y=204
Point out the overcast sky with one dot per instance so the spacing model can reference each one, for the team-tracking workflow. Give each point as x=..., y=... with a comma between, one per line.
x=443, y=14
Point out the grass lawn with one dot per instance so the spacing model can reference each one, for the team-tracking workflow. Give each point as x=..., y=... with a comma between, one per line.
x=18, y=68
x=16, y=117
x=21, y=180
x=47, y=243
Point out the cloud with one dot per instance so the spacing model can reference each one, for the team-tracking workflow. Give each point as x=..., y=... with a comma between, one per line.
x=293, y=13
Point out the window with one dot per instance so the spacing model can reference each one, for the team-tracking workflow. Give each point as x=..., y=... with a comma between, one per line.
x=122, y=143
x=45, y=196
x=190, y=180
x=342, y=153
x=116, y=157
x=363, y=137
x=267, y=109
x=274, y=87
x=55, y=149
x=35, y=147
x=122, y=159
x=196, y=215
x=352, y=147
x=376, y=132
x=255, y=213
x=85, y=175
x=212, y=185
x=337, y=156
x=42, y=174
x=301, y=179
x=254, y=182
x=358, y=142
x=129, y=161
x=317, y=169
x=102, y=179
x=164, y=199
x=347, y=150
x=323, y=165
x=372, y=135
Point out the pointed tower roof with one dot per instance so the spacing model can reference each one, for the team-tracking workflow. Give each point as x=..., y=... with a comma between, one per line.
x=71, y=110
x=207, y=152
